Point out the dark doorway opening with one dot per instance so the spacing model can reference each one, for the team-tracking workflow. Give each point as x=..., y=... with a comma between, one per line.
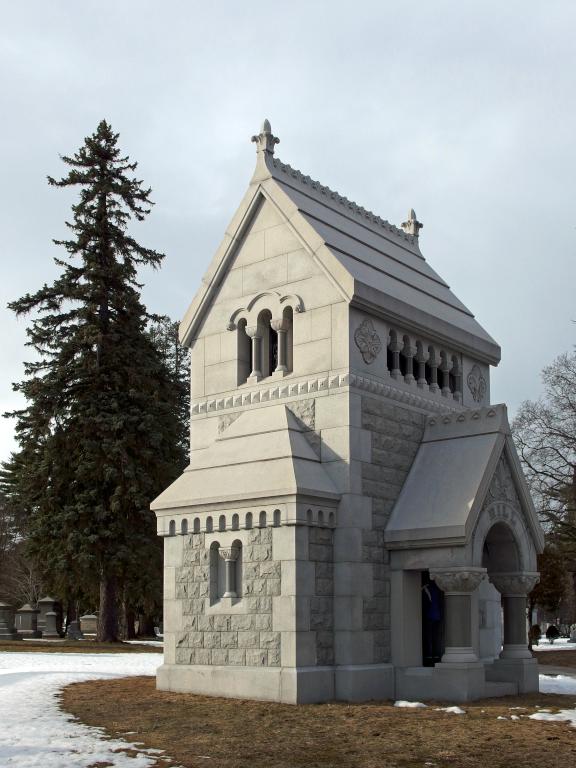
x=432, y=621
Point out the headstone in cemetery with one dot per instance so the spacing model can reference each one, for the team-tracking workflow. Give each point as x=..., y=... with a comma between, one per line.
x=7, y=628
x=89, y=623
x=50, y=631
x=27, y=621
x=351, y=485
x=73, y=631
x=45, y=604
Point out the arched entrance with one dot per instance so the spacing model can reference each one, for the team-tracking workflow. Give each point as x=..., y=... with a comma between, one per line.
x=504, y=563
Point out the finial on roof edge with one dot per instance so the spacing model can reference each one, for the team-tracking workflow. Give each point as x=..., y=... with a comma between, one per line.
x=265, y=140
x=412, y=226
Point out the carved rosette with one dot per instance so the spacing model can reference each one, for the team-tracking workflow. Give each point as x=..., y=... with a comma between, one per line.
x=458, y=581
x=367, y=341
x=229, y=553
x=476, y=384
x=514, y=584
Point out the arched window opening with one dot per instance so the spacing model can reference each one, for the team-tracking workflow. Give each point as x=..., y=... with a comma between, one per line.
x=320, y=518
x=244, y=352
x=331, y=518
x=222, y=523
x=235, y=522
x=196, y=525
x=309, y=517
x=249, y=520
x=184, y=526
x=225, y=571
x=276, y=518
x=262, y=519
x=172, y=528
x=268, y=343
x=209, y=524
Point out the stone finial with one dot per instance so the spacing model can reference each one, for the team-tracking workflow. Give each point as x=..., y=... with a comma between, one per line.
x=265, y=140
x=412, y=226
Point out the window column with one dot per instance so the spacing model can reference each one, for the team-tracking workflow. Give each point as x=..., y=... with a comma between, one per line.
x=255, y=334
x=281, y=328
x=229, y=556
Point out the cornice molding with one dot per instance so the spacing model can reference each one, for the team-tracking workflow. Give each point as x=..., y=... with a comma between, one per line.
x=321, y=384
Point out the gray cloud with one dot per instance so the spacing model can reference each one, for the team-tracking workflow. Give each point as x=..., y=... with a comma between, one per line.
x=463, y=111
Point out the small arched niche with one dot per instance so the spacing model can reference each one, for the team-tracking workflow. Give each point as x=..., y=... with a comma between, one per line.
x=500, y=553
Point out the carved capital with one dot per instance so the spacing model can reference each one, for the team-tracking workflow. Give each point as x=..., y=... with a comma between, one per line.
x=458, y=580
x=229, y=553
x=514, y=584
x=254, y=331
x=280, y=325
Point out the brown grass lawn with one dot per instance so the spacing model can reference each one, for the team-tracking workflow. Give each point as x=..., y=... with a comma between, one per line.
x=227, y=733
x=76, y=646
x=556, y=658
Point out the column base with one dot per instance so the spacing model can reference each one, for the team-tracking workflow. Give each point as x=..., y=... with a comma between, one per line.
x=459, y=655
x=523, y=672
x=515, y=652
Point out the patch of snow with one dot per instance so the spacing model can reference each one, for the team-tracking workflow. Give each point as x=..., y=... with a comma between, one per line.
x=36, y=733
x=562, y=644
x=564, y=715
x=155, y=643
x=558, y=684
x=452, y=710
x=409, y=704
x=514, y=717
x=501, y=717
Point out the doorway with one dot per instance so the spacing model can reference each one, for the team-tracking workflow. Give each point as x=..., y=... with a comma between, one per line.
x=432, y=621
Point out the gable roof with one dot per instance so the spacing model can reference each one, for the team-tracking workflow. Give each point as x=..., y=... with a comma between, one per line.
x=375, y=264
x=449, y=479
x=263, y=453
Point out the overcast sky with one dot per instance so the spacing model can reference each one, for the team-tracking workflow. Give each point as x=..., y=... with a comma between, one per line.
x=464, y=111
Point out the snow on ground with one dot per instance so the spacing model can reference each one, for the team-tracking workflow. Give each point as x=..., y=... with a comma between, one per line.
x=558, y=684
x=409, y=704
x=36, y=733
x=561, y=644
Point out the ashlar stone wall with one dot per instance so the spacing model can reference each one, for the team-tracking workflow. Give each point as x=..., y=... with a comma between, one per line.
x=209, y=634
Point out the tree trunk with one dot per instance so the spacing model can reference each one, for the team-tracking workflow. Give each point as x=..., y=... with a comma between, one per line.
x=108, y=615
x=145, y=625
x=129, y=623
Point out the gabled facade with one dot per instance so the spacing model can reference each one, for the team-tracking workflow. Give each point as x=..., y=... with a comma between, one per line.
x=345, y=468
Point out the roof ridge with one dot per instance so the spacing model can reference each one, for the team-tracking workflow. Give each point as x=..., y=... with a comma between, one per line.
x=353, y=207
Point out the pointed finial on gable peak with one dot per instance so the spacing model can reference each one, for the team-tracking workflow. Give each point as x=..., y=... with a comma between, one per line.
x=412, y=226
x=265, y=140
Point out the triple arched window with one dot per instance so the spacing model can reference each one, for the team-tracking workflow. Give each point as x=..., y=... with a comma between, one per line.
x=265, y=348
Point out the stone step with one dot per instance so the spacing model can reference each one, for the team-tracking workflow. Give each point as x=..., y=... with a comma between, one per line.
x=493, y=689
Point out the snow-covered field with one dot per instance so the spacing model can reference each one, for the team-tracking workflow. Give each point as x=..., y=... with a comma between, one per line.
x=35, y=732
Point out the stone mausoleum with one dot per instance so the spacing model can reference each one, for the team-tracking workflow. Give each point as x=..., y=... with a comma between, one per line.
x=354, y=523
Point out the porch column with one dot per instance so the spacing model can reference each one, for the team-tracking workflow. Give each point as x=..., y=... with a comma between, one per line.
x=255, y=333
x=229, y=556
x=281, y=328
x=458, y=584
x=514, y=588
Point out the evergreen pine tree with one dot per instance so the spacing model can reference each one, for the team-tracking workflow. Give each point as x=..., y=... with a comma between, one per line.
x=100, y=436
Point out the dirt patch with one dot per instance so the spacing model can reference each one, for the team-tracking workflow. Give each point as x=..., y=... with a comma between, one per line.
x=231, y=733
x=556, y=658
x=76, y=646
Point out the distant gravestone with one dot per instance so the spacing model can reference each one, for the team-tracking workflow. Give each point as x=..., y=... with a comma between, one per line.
x=50, y=630
x=27, y=621
x=7, y=628
x=89, y=624
x=573, y=635
x=45, y=605
x=73, y=631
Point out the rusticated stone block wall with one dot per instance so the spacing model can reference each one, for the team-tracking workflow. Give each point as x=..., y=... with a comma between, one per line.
x=321, y=552
x=209, y=636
